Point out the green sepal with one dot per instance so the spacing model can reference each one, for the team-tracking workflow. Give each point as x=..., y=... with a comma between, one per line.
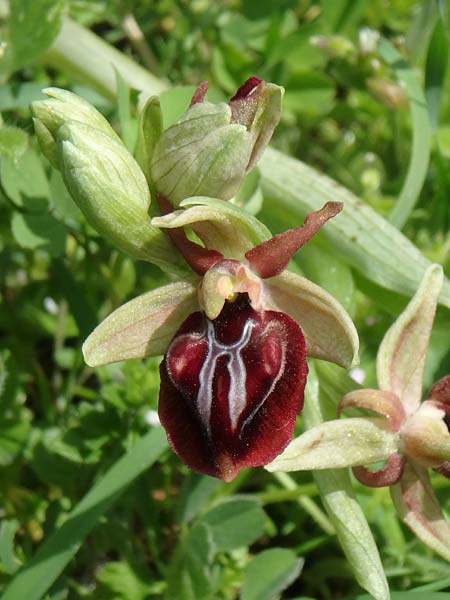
x=63, y=106
x=219, y=224
x=150, y=128
x=202, y=153
x=338, y=444
x=143, y=326
x=330, y=333
x=401, y=356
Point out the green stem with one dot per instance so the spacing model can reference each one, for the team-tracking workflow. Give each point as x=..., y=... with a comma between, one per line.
x=94, y=62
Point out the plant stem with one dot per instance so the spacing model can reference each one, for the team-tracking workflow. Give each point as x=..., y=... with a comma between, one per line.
x=94, y=62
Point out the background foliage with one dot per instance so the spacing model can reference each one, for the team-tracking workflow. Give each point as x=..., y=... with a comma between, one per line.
x=172, y=533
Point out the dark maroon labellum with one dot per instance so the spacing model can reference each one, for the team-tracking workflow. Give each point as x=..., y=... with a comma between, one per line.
x=232, y=388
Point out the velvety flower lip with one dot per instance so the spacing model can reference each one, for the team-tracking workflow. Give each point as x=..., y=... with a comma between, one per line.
x=408, y=434
x=231, y=388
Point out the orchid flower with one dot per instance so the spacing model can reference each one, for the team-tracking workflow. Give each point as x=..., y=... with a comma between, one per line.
x=409, y=435
x=236, y=327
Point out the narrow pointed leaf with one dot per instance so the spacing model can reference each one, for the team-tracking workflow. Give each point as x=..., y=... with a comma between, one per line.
x=219, y=224
x=150, y=127
x=418, y=508
x=329, y=331
x=142, y=327
x=401, y=356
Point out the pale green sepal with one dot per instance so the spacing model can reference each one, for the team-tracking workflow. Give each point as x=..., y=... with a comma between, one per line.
x=149, y=131
x=267, y=117
x=401, y=356
x=142, y=327
x=63, y=106
x=108, y=186
x=47, y=143
x=219, y=224
x=201, y=154
x=330, y=333
x=338, y=444
x=419, y=509
x=345, y=513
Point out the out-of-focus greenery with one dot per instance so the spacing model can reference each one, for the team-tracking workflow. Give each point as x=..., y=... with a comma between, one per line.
x=175, y=534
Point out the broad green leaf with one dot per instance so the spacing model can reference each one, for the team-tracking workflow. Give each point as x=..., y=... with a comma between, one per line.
x=25, y=181
x=235, y=522
x=269, y=573
x=195, y=493
x=421, y=143
x=359, y=235
x=36, y=577
x=33, y=25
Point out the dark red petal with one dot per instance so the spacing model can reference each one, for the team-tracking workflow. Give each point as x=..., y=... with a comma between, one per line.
x=199, y=258
x=440, y=391
x=271, y=258
x=386, y=476
x=246, y=88
x=231, y=388
x=200, y=93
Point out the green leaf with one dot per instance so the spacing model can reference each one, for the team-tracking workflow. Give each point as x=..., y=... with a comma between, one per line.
x=13, y=142
x=25, y=181
x=120, y=580
x=33, y=26
x=39, y=231
x=128, y=123
x=235, y=522
x=189, y=576
x=8, y=559
x=421, y=143
x=42, y=570
x=269, y=573
x=436, y=69
x=359, y=235
x=195, y=493
x=345, y=513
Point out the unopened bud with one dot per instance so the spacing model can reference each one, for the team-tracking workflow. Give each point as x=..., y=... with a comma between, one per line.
x=108, y=186
x=389, y=93
x=63, y=106
x=211, y=147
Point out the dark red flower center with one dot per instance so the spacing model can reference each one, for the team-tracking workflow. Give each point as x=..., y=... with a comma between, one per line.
x=231, y=388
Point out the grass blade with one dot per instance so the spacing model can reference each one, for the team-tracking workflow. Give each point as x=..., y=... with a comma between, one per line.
x=421, y=142
x=42, y=570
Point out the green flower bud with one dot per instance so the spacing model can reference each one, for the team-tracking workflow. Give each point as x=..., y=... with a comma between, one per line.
x=50, y=115
x=211, y=147
x=109, y=187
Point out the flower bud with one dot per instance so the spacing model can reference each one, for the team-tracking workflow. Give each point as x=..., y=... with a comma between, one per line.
x=211, y=147
x=63, y=106
x=389, y=93
x=334, y=46
x=108, y=186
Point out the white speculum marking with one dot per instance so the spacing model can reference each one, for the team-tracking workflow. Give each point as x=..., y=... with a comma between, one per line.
x=237, y=393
